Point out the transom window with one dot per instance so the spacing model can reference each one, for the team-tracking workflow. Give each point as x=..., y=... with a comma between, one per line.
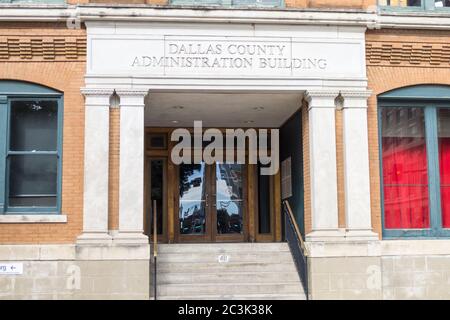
x=415, y=161
x=30, y=162
x=414, y=4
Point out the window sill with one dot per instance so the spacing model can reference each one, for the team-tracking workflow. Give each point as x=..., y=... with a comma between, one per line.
x=33, y=218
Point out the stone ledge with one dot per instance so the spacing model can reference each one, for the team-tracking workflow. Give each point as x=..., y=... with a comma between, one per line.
x=380, y=248
x=70, y=252
x=345, y=248
x=415, y=247
x=33, y=218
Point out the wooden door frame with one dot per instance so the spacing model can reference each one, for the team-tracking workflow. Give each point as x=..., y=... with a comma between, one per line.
x=250, y=196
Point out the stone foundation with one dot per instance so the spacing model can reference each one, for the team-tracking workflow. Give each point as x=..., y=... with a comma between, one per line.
x=396, y=269
x=74, y=272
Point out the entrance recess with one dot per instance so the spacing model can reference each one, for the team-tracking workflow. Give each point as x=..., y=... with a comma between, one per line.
x=218, y=202
x=211, y=202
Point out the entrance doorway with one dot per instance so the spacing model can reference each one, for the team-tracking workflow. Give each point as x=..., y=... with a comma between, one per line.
x=221, y=202
x=211, y=203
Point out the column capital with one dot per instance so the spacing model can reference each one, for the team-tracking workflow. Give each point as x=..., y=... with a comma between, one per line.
x=355, y=98
x=321, y=98
x=95, y=97
x=97, y=92
x=3, y=99
x=132, y=97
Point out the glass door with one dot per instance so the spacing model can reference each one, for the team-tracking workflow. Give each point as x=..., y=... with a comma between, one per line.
x=211, y=203
x=193, y=204
x=229, y=202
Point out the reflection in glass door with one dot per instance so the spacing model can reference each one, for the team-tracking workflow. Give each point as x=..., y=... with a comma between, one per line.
x=229, y=198
x=211, y=202
x=193, y=197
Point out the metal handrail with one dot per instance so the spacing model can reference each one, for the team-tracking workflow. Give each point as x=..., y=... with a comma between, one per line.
x=297, y=229
x=155, y=249
x=297, y=246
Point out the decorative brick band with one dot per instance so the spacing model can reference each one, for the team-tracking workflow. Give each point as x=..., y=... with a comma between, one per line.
x=43, y=48
x=408, y=54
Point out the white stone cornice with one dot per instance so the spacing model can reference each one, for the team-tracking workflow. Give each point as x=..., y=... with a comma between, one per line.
x=138, y=13
x=208, y=14
x=414, y=20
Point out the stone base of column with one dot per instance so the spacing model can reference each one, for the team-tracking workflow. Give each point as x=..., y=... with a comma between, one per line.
x=361, y=234
x=132, y=237
x=326, y=235
x=89, y=238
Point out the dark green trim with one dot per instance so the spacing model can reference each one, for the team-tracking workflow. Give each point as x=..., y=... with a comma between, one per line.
x=3, y=128
x=16, y=90
x=430, y=98
x=426, y=5
x=12, y=87
x=420, y=92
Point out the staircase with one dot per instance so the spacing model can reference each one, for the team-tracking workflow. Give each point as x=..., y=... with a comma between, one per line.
x=233, y=271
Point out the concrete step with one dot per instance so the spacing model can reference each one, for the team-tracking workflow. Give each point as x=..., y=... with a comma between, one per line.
x=227, y=277
x=186, y=290
x=225, y=267
x=267, y=297
x=212, y=257
x=223, y=247
x=263, y=271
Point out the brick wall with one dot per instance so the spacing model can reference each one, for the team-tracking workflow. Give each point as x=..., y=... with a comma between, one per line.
x=53, y=56
x=394, y=60
x=306, y=166
x=114, y=163
x=325, y=4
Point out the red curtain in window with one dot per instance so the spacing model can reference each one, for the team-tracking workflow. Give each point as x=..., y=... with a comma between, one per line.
x=444, y=163
x=405, y=181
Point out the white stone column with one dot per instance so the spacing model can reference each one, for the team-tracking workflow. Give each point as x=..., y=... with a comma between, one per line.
x=356, y=166
x=96, y=165
x=323, y=172
x=131, y=177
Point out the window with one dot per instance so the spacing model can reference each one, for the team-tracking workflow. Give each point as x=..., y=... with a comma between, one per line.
x=156, y=141
x=230, y=3
x=415, y=161
x=414, y=4
x=30, y=141
x=33, y=1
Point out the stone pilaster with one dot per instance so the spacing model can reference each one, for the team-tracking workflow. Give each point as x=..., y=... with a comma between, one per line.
x=96, y=159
